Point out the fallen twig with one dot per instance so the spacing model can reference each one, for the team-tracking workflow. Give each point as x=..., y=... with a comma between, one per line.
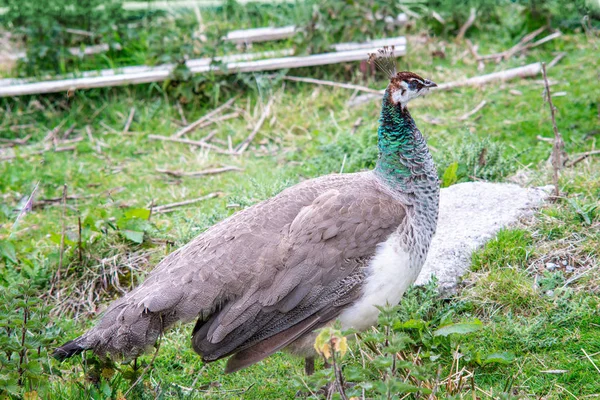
x=15, y=142
x=146, y=74
x=467, y=25
x=590, y=360
x=62, y=239
x=191, y=142
x=356, y=125
x=473, y=111
x=244, y=145
x=331, y=83
x=519, y=46
x=582, y=156
x=55, y=150
x=170, y=207
x=129, y=120
x=181, y=114
x=559, y=156
x=204, y=118
x=209, y=171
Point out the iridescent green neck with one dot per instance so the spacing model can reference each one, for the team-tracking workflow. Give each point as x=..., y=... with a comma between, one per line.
x=403, y=155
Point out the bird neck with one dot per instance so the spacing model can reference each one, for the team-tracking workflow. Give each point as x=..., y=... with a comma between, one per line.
x=404, y=160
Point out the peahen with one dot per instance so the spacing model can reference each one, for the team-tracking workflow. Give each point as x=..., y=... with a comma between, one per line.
x=265, y=278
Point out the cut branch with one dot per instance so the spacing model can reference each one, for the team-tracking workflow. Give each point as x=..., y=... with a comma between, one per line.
x=129, y=120
x=559, y=156
x=331, y=83
x=146, y=74
x=509, y=74
x=473, y=111
x=170, y=207
x=244, y=145
x=191, y=142
x=204, y=118
x=580, y=157
x=210, y=171
x=467, y=25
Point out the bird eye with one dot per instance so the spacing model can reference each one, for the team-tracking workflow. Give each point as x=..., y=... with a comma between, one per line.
x=412, y=85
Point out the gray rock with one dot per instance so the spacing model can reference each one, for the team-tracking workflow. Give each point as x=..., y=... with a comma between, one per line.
x=551, y=266
x=569, y=268
x=550, y=293
x=471, y=214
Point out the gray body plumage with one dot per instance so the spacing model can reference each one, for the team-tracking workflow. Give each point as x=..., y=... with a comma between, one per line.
x=269, y=275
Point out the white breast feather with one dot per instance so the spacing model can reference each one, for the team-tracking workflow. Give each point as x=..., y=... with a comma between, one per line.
x=389, y=275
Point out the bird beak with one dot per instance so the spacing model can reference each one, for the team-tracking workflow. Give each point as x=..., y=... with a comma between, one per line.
x=430, y=84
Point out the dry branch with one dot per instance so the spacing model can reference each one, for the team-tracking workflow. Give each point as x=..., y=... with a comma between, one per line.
x=331, y=83
x=244, y=145
x=170, y=207
x=157, y=74
x=398, y=42
x=209, y=171
x=559, y=156
x=580, y=157
x=467, y=25
x=129, y=120
x=256, y=35
x=190, y=142
x=204, y=118
x=47, y=149
x=168, y=68
x=513, y=73
x=473, y=111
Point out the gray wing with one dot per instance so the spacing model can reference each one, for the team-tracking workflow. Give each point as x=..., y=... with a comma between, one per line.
x=323, y=257
x=293, y=260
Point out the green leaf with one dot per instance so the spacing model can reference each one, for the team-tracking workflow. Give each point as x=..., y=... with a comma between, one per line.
x=499, y=358
x=134, y=236
x=56, y=237
x=139, y=213
x=460, y=328
x=450, y=177
x=7, y=250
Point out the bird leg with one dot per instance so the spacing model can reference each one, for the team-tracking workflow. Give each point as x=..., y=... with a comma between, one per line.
x=309, y=366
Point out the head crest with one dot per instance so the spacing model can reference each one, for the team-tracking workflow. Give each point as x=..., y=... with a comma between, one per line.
x=384, y=60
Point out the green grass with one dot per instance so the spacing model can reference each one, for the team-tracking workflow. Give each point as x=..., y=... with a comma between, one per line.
x=524, y=308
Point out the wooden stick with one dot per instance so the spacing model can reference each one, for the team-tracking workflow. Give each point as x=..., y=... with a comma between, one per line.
x=204, y=118
x=169, y=5
x=62, y=238
x=526, y=39
x=331, y=83
x=209, y=171
x=181, y=114
x=559, y=156
x=195, y=63
x=582, y=156
x=244, y=145
x=129, y=120
x=191, y=142
x=75, y=51
x=509, y=74
x=256, y=35
x=170, y=207
x=55, y=150
x=399, y=44
x=162, y=73
x=473, y=111
x=467, y=25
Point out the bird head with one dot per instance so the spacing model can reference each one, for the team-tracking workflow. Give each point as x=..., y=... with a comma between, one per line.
x=404, y=85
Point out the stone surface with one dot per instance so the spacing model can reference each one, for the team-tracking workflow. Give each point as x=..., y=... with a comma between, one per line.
x=470, y=215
